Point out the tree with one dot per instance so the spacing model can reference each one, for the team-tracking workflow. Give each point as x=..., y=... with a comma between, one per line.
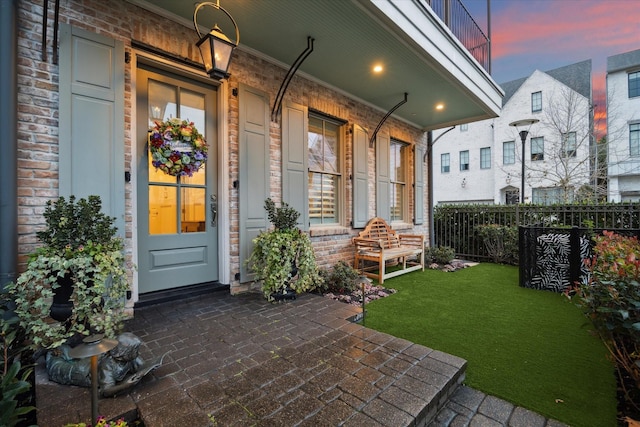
x=572, y=163
x=566, y=129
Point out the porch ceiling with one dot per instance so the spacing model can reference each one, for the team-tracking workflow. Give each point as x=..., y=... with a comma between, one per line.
x=418, y=53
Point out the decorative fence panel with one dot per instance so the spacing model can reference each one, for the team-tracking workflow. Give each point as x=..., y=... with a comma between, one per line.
x=455, y=225
x=552, y=258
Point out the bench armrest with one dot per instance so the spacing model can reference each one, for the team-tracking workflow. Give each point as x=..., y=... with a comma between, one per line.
x=362, y=243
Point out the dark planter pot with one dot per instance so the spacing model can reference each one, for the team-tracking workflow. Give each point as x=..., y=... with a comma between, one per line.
x=62, y=306
x=288, y=294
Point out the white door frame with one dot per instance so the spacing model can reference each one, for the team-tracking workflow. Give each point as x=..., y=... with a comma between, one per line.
x=224, y=226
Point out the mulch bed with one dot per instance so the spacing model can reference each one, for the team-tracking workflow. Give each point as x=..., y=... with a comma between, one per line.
x=372, y=292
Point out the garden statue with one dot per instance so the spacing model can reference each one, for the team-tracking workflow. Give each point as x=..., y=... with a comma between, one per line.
x=118, y=370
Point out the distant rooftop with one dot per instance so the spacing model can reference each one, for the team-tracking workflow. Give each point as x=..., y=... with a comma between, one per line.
x=576, y=76
x=623, y=61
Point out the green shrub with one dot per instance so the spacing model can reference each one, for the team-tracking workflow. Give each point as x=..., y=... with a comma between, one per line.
x=14, y=375
x=340, y=279
x=611, y=299
x=501, y=242
x=440, y=254
x=283, y=218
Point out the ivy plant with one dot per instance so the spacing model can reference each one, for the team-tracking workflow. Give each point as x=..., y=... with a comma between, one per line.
x=80, y=242
x=283, y=257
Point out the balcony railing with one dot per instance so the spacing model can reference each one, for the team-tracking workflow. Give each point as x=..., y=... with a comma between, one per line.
x=463, y=26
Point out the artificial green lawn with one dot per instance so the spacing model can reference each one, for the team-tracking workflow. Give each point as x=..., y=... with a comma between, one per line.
x=531, y=348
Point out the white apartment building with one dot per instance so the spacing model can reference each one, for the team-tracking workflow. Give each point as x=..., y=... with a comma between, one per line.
x=481, y=162
x=623, y=126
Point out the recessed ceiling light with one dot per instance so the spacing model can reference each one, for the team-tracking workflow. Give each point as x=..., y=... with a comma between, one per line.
x=377, y=68
x=439, y=106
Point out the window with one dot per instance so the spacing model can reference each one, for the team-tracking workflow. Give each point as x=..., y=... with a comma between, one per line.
x=634, y=140
x=537, y=148
x=325, y=177
x=634, y=84
x=398, y=179
x=464, y=127
x=569, y=144
x=485, y=158
x=464, y=160
x=536, y=102
x=552, y=195
x=445, y=163
x=509, y=152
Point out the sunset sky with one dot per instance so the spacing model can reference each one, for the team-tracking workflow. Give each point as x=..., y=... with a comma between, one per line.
x=546, y=34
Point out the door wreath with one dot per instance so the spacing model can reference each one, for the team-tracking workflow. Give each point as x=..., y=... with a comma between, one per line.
x=177, y=148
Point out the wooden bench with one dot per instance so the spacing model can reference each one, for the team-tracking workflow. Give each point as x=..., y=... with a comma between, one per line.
x=378, y=244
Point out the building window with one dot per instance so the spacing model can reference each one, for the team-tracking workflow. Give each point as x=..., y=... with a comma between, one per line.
x=536, y=102
x=325, y=171
x=634, y=84
x=509, y=152
x=485, y=158
x=445, y=163
x=464, y=127
x=551, y=195
x=634, y=140
x=569, y=144
x=537, y=148
x=464, y=160
x=398, y=169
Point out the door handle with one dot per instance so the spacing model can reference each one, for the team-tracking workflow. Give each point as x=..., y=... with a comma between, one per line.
x=213, y=206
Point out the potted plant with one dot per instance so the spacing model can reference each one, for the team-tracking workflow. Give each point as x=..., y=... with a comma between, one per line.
x=283, y=258
x=77, y=277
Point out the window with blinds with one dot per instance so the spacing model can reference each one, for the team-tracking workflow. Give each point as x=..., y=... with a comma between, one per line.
x=325, y=174
x=398, y=180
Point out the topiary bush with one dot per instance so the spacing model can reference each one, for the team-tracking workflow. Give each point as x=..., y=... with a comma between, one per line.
x=283, y=218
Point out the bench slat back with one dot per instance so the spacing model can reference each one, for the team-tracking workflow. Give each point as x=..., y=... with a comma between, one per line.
x=378, y=229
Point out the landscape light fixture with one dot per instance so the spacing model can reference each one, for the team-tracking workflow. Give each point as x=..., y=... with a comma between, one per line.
x=215, y=47
x=93, y=346
x=523, y=127
x=363, y=281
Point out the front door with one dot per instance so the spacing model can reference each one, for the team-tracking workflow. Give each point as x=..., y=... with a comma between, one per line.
x=177, y=233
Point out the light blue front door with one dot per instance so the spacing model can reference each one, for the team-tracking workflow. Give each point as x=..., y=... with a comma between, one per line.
x=177, y=232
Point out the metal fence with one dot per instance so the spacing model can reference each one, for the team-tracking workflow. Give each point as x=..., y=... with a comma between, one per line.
x=456, y=226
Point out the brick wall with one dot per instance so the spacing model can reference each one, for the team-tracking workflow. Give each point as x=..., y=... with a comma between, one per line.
x=38, y=115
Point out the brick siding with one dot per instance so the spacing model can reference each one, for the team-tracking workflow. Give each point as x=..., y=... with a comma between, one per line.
x=38, y=116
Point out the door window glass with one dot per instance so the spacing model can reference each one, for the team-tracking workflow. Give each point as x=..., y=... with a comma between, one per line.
x=176, y=203
x=192, y=209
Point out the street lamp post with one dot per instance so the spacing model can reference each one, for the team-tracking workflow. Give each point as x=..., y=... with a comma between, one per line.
x=520, y=126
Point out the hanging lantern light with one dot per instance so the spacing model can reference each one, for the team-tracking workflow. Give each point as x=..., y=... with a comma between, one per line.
x=215, y=47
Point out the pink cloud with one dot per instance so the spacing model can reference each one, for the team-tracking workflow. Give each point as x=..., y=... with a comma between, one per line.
x=552, y=27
